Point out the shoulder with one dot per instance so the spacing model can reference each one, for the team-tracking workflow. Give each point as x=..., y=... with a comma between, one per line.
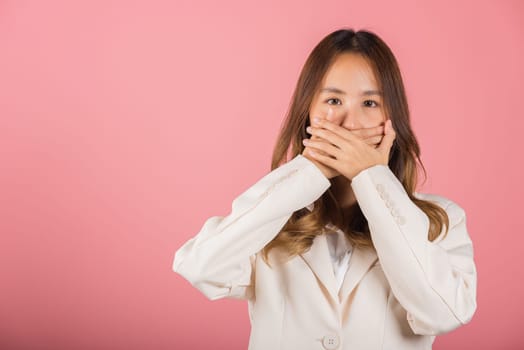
x=454, y=210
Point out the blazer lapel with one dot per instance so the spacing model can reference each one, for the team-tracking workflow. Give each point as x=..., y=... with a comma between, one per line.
x=360, y=262
x=319, y=261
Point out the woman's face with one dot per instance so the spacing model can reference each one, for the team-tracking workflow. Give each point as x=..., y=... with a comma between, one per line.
x=349, y=88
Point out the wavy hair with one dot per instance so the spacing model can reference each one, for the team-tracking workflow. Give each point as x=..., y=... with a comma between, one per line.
x=298, y=233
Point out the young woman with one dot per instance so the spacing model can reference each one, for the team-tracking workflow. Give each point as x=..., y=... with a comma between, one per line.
x=334, y=248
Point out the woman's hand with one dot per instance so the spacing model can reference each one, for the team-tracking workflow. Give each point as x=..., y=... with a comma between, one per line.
x=372, y=136
x=342, y=152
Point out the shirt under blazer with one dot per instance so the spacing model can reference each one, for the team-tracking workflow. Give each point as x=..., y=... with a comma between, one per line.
x=340, y=252
x=398, y=295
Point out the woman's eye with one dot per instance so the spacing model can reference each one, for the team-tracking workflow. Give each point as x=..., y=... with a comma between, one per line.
x=373, y=103
x=337, y=101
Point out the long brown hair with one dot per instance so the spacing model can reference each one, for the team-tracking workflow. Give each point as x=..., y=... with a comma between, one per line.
x=299, y=231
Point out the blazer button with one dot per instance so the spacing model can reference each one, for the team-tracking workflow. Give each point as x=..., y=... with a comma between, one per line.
x=380, y=188
x=401, y=220
x=394, y=212
x=331, y=341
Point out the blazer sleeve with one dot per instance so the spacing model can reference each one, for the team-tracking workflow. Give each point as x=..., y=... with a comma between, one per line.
x=220, y=259
x=435, y=281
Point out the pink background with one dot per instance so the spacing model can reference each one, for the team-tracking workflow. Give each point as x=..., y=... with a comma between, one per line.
x=124, y=125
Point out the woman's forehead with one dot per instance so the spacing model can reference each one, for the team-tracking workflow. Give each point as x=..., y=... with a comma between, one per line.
x=351, y=74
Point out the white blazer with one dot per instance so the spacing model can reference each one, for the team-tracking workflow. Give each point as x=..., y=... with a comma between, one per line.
x=397, y=296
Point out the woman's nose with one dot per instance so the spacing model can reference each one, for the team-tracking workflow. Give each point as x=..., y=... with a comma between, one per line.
x=345, y=118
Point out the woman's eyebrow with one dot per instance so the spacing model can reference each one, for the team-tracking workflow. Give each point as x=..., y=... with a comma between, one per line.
x=342, y=92
x=371, y=92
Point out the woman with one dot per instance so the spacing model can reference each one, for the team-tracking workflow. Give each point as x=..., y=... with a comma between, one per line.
x=334, y=248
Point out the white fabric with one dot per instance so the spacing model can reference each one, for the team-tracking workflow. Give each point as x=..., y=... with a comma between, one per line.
x=399, y=295
x=340, y=253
